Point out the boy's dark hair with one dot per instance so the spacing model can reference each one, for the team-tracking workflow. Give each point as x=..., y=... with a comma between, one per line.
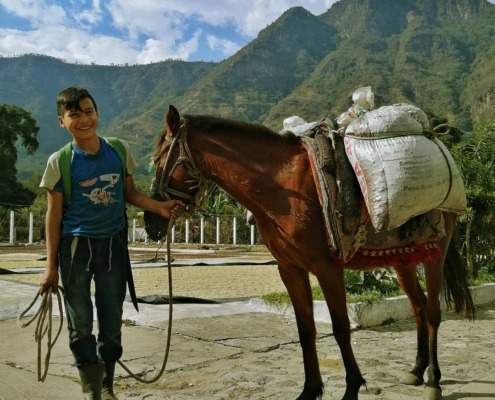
x=69, y=99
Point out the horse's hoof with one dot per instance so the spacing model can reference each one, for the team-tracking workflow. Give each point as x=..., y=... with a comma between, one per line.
x=431, y=393
x=412, y=380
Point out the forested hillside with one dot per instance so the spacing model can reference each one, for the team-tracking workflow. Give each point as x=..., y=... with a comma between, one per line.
x=437, y=54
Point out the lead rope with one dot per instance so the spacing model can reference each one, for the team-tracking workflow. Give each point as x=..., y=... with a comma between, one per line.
x=170, y=311
x=44, y=324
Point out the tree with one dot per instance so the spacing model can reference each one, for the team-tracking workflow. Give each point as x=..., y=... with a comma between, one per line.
x=17, y=128
x=219, y=202
x=475, y=157
x=437, y=123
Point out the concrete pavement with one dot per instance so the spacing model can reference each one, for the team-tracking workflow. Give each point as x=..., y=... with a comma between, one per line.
x=192, y=329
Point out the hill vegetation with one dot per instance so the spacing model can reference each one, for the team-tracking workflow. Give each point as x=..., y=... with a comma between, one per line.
x=437, y=54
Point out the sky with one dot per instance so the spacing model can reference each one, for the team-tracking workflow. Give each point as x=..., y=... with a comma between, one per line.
x=119, y=32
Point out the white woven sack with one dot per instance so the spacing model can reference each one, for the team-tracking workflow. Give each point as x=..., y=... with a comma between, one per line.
x=417, y=113
x=387, y=121
x=404, y=176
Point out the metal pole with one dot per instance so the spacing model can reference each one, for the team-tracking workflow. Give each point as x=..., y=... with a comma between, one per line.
x=252, y=235
x=202, y=231
x=187, y=231
x=134, y=230
x=31, y=227
x=234, y=229
x=11, y=233
x=218, y=230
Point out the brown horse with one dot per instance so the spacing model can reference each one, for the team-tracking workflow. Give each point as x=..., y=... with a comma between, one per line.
x=270, y=174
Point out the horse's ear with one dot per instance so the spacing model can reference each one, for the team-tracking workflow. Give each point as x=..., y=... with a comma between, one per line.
x=173, y=120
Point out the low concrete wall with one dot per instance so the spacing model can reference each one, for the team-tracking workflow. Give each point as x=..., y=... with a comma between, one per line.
x=376, y=313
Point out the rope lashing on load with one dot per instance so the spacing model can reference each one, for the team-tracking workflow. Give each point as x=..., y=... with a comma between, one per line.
x=44, y=324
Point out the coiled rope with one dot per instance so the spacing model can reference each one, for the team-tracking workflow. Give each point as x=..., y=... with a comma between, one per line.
x=44, y=324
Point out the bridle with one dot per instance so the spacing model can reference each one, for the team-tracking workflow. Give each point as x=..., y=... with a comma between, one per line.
x=199, y=188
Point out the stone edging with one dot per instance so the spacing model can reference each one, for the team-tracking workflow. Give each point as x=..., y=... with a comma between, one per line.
x=376, y=313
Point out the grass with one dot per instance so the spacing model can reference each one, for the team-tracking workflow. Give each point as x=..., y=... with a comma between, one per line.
x=482, y=278
x=281, y=299
x=357, y=292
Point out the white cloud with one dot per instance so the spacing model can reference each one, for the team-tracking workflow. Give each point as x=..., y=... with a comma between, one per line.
x=100, y=50
x=90, y=16
x=143, y=31
x=38, y=13
x=226, y=47
x=68, y=44
x=140, y=17
x=261, y=13
x=169, y=22
x=155, y=50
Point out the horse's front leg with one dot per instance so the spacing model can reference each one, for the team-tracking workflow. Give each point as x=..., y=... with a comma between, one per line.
x=297, y=282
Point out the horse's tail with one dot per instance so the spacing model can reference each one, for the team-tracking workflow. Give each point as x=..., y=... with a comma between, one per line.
x=456, y=288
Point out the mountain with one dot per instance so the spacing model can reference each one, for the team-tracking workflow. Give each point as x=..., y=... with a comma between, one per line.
x=122, y=93
x=438, y=54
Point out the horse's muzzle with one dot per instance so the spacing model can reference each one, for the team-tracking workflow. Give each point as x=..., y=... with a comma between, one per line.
x=155, y=225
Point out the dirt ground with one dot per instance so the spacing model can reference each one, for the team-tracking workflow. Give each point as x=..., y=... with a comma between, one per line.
x=206, y=282
x=257, y=355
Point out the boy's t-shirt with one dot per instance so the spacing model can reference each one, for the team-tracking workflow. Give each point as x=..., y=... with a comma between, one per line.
x=97, y=204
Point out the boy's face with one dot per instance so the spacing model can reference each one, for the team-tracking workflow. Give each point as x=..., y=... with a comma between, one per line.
x=81, y=123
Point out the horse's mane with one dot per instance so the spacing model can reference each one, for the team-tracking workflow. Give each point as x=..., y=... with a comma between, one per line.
x=208, y=123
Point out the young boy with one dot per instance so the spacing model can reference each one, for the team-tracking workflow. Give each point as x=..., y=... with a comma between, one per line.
x=87, y=239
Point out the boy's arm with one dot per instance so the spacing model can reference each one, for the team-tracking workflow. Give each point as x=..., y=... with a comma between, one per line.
x=53, y=232
x=167, y=209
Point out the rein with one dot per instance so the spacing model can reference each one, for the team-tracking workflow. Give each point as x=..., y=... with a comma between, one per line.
x=197, y=181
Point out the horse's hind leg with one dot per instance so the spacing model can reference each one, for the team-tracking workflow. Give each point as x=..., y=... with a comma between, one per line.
x=427, y=313
x=298, y=286
x=332, y=283
x=408, y=281
x=434, y=281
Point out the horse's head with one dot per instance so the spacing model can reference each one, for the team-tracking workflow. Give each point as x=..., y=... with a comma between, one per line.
x=176, y=174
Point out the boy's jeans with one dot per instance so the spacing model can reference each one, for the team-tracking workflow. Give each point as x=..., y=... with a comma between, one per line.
x=106, y=261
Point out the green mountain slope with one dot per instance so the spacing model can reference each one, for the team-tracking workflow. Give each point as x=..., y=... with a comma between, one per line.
x=122, y=93
x=438, y=54
x=250, y=83
x=423, y=52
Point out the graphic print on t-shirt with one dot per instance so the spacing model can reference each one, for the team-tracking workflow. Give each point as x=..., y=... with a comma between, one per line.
x=102, y=195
